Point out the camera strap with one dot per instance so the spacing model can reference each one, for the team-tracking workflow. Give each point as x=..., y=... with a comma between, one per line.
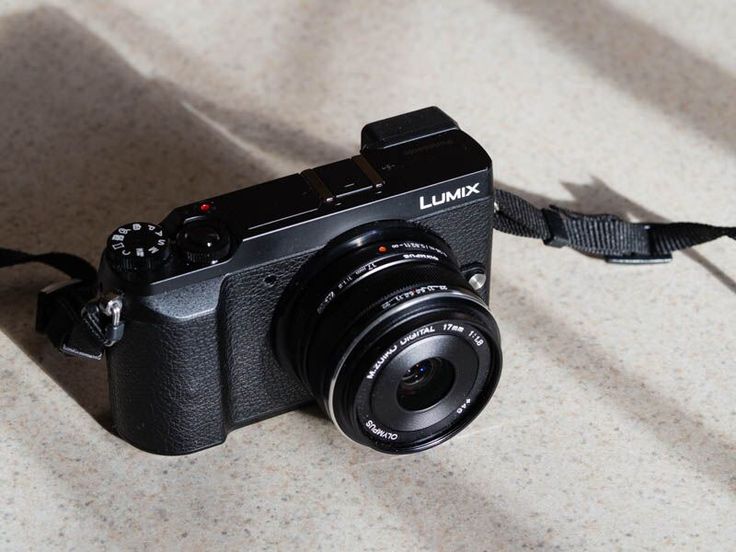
x=607, y=236
x=79, y=323
x=67, y=312
x=71, y=265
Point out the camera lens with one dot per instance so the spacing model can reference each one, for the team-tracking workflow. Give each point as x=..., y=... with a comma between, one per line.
x=425, y=384
x=385, y=332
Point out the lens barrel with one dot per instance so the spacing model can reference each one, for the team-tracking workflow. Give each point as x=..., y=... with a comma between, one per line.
x=385, y=332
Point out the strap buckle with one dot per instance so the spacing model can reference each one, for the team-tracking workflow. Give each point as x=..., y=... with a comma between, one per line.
x=558, y=236
x=76, y=322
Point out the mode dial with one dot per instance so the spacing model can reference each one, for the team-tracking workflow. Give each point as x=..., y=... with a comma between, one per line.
x=138, y=246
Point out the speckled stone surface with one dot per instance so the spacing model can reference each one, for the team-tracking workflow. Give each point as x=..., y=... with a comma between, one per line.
x=614, y=426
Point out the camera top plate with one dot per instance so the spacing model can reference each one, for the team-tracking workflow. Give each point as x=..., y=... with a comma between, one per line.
x=410, y=166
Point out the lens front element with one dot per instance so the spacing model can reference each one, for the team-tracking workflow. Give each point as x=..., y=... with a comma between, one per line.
x=425, y=383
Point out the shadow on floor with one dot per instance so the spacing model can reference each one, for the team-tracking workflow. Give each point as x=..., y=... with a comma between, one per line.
x=90, y=143
x=640, y=60
x=709, y=451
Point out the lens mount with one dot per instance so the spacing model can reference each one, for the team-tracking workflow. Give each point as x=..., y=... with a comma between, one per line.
x=384, y=331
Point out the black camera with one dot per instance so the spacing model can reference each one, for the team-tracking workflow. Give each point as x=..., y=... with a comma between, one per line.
x=361, y=285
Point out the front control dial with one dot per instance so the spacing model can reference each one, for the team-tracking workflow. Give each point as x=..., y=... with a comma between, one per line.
x=204, y=241
x=138, y=246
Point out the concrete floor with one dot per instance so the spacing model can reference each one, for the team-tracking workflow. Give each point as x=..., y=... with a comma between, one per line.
x=614, y=424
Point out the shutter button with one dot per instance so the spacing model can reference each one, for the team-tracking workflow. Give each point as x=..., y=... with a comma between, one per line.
x=204, y=241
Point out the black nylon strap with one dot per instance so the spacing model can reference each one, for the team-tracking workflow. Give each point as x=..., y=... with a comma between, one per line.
x=63, y=312
x=71, y=265
x=601, y=235
x=66, y=314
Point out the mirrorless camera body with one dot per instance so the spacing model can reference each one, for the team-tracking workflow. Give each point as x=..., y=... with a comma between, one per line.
x=361, y=285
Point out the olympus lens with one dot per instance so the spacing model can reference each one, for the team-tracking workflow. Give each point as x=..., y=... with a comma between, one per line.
x=385, y=332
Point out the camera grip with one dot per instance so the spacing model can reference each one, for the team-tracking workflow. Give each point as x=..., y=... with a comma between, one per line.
x=165, y=384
